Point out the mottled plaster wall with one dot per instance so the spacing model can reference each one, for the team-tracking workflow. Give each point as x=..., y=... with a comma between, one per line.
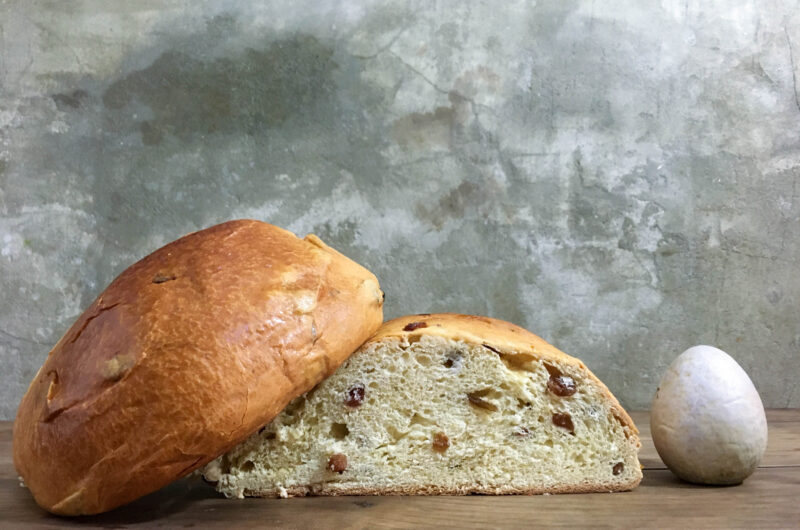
x=622, y=180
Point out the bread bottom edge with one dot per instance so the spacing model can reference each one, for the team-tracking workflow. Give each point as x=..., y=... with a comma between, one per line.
x=432, y=490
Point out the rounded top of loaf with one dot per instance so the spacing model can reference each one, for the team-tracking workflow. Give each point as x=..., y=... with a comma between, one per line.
x=499, y=336
x=185, y=354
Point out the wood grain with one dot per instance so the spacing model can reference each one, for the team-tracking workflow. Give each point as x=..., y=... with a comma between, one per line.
x=768, y=499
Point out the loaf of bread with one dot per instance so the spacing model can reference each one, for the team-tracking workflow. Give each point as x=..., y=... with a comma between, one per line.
x=184, y=355
x=442, y=404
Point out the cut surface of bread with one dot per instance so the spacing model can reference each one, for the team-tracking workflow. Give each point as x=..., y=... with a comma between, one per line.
x=442, y=404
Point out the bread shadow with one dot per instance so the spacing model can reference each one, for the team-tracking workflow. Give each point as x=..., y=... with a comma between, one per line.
x=182, y=495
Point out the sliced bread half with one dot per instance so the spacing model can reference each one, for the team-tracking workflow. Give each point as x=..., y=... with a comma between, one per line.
x=443, y=404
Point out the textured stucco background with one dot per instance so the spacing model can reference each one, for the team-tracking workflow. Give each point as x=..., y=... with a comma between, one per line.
x=621, y=179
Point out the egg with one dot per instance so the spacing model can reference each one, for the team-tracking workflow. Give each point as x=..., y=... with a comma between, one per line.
x=707, y=419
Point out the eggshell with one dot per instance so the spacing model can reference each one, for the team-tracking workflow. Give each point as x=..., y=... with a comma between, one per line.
x=707, y=419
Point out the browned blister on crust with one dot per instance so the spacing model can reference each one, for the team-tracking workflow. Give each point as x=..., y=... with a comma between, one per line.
x=185, y=354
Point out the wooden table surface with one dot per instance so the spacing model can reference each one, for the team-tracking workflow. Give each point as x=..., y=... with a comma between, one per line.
x=770, y=498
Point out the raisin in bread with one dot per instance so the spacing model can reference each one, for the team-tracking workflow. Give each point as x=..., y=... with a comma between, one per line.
x=443, y=404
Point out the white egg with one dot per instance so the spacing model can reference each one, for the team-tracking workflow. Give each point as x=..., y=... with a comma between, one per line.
x=707, y=419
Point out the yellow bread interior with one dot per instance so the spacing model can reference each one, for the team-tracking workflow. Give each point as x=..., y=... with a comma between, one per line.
x=428, y=411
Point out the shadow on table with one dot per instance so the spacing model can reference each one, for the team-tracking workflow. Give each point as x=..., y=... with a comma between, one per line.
x=663, y=478
x=169, y=500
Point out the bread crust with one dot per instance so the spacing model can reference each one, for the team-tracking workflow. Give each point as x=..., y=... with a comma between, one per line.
x=503, y=337
x=335, y=490
x=184, y=355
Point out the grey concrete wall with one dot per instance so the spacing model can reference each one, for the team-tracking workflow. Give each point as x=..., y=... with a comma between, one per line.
x=622, y=180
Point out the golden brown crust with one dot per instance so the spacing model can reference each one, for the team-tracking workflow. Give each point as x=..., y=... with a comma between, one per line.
x=501, y=336
x=183, y=356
